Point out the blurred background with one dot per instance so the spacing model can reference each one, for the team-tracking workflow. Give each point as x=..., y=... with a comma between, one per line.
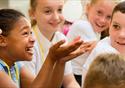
x=75, y=7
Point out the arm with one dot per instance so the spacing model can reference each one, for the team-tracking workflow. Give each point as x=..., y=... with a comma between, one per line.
x=83, y=76
x=44, y=76
x=6, y=81
x=26, y=77
x=55, y=63
x=57, y=75
x=60, y=64
x=42, y=80
x=70, y=82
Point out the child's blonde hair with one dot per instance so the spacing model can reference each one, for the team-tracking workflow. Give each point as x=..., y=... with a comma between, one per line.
x=94, y=1
x=106, y=71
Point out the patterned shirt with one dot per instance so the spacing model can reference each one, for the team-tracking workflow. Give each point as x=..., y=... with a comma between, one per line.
x=13, y=71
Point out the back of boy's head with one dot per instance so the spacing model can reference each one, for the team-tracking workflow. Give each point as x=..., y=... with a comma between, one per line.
x=106, y=71
x=8, y=18
x=119, y=7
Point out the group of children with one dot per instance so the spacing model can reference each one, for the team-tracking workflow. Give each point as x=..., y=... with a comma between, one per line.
x=45, y=53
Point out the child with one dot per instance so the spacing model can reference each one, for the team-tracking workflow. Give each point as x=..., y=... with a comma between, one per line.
x=106, y=71
x=47, y=18
x=16, y=44
x=98, y=14
x=115, y=42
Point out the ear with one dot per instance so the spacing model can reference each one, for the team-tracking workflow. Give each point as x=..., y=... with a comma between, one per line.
x=3, y=41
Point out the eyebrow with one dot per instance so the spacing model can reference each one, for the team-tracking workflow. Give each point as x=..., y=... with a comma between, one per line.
x=114, y=22
x=49, y=7
x=24, y=27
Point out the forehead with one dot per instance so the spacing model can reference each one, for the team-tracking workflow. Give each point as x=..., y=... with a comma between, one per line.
x=22, y=23
x=105, y=6
x=106, y=3
x=49, y=3
x=119, y=17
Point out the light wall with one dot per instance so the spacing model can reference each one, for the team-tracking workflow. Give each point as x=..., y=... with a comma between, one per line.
x=23, y=6
x=3, y=3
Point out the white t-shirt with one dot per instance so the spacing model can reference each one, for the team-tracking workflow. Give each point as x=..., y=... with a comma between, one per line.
x=103, y=46
x=41, y=51
x=84, y=29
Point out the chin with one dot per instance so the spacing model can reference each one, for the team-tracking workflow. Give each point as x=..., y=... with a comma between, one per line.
x=27, y=59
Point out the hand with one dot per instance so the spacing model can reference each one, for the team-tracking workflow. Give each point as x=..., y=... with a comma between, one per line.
x=66, y=52
x=90, y=45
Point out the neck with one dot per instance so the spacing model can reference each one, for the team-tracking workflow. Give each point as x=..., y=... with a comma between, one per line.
x=48, y=35
x=9, y=61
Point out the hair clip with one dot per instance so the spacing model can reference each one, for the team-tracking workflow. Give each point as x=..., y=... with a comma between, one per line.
x=0, y=31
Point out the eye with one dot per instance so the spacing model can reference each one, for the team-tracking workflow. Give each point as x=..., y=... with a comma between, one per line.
x=108, y=17
x=25, y=33
x=60, y=10
x=115, y=26
x=31, y=32
x=99, y=13
x=47, y=12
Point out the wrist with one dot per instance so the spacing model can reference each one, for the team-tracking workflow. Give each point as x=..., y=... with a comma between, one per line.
x=51, y=60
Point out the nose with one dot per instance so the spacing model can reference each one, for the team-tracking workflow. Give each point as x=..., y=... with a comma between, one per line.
x=122, y=33
x=32, y=39
x=56, y=16
x=103, y=20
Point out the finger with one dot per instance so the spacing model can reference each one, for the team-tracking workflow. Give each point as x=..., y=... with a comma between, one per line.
x=66, y=50
x=70, y=57
x=75, y=40
x=58, y=44
x=70, y=48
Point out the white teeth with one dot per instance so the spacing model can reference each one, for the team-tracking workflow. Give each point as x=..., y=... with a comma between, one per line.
x=29, y=50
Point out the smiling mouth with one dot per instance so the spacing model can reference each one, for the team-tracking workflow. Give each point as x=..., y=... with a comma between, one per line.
x=29, y=50
x=99, y=25
x=54, y=25
x=120, y=43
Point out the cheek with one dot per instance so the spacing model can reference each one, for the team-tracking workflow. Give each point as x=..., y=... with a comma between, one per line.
x=62, y=17
x=108, y=22
x=20, y=44
x=41, y=18
x=90, y=18
x=112, y=34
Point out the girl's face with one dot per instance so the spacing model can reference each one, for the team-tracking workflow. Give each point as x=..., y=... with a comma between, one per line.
x=99, y=14
x=117, y=32
x=48, y=14
x=20, y=41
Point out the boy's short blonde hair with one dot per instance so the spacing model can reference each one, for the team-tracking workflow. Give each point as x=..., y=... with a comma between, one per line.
x=106, y=71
